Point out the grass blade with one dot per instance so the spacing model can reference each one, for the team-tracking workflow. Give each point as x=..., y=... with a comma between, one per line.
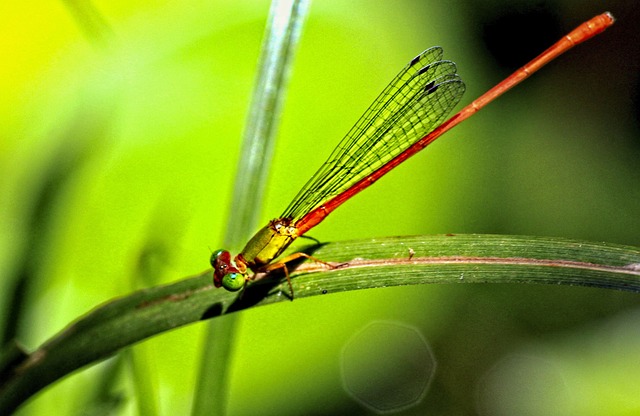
x=364, y=264
x=281, y=37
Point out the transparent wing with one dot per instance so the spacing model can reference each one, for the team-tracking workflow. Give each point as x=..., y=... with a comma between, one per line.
x=415, y=102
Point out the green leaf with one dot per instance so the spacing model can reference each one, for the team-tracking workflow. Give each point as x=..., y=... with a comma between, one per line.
x=355, y=265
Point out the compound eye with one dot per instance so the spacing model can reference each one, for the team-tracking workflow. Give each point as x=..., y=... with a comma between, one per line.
x=233, y=281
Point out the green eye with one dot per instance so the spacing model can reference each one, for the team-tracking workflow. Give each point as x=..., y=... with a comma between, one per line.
x=233, y=281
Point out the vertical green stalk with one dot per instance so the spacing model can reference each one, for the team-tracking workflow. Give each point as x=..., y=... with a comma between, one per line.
x=286, y=18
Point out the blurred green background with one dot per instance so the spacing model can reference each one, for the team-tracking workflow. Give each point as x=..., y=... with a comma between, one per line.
x=120, y=131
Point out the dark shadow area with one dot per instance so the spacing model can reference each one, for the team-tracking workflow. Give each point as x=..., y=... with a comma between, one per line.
x=513, y=37
x=213, y=311
x=12, y=356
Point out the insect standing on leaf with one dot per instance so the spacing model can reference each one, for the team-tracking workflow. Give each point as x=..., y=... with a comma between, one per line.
x=406, y=117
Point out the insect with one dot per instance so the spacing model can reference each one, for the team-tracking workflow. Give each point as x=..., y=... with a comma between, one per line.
x=407, y=116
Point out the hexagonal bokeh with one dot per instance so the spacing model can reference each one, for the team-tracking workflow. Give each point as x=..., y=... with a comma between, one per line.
x=387, y=366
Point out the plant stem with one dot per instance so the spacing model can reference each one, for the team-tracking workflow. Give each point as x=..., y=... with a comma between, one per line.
x=286, y=18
